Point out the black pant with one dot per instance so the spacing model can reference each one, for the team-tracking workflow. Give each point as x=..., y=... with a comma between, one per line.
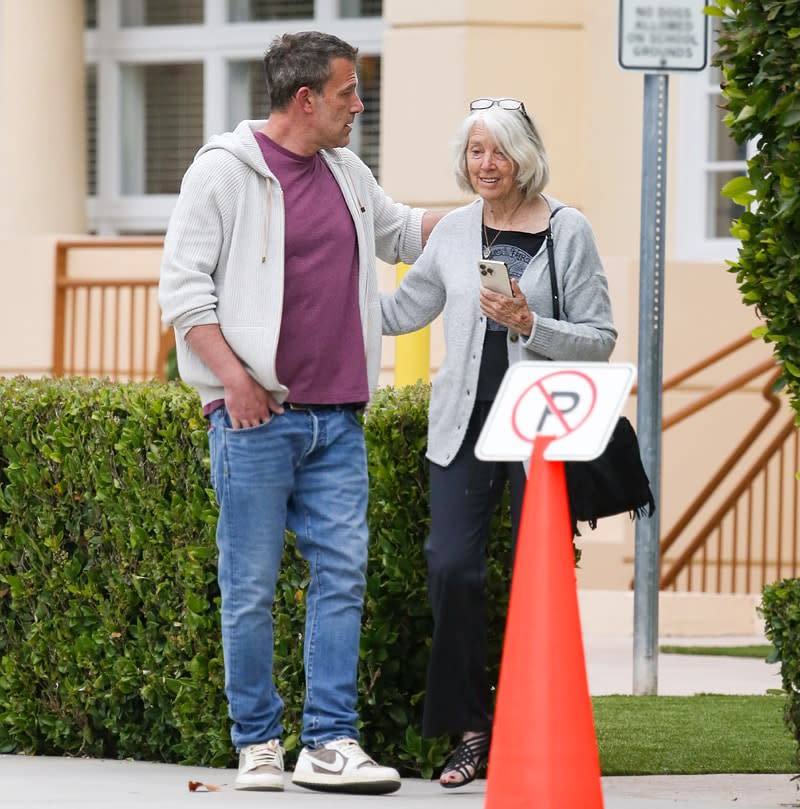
x=464, y=497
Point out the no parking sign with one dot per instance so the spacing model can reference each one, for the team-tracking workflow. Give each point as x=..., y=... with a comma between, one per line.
x=576, y=403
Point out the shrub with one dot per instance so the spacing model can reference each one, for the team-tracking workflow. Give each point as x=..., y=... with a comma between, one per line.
x=759, y=54
x=109, y=598
x=780, y=608
x=108, y=592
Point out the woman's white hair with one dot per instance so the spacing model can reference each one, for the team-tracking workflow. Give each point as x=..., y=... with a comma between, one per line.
x=517, y=137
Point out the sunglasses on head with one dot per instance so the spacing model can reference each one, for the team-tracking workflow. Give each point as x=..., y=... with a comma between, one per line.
x=503, y=103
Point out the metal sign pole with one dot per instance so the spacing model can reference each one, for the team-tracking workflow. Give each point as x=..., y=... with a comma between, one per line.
x=648, y=405
x=655, y=36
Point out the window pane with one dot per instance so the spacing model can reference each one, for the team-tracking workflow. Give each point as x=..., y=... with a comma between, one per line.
x=721, y=210
x=366, y=140
x=262, y=10
x=161, y=12
x=174, y=124
x=360, y=8
x=90, y=11
x=721, y=146
x=714, y=73
x=715, y=76
x=91, y=129
x=259, y=100
x=162, y=125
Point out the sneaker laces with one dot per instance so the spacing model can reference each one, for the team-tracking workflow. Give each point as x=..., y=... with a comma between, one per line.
x=267, y=754
x=353, y=751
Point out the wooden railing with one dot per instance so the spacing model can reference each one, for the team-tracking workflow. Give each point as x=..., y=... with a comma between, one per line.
x=739, y=532
x=107, y=325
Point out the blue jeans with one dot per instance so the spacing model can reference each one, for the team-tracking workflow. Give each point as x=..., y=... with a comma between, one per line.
x=306, y=471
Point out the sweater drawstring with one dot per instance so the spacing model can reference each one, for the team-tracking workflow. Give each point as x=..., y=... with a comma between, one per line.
x=266, y=220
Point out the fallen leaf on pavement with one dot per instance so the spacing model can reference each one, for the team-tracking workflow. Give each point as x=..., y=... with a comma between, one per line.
x=199, y=786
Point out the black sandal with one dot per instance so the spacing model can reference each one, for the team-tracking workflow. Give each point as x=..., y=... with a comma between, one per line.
x=467, y=759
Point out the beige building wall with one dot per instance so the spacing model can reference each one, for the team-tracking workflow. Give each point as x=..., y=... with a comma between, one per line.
x=560, y=58
x=43, y=170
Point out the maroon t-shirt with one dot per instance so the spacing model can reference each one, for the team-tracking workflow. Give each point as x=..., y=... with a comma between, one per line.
x=321, y=357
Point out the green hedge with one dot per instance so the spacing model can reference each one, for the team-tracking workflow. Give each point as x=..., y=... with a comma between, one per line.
x=780, y=608
x=108, y=596
x=759, y=56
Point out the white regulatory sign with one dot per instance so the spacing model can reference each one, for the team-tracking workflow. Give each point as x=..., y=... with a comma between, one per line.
x=576, y=403
x=662, y=35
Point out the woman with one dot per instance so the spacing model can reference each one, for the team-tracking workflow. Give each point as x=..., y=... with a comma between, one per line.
x=500, y=157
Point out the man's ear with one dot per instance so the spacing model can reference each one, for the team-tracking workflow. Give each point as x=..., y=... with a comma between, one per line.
x=303, y=99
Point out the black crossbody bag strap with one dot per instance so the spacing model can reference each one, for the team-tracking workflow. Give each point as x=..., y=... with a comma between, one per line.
x=551, y=263
x=615, y=482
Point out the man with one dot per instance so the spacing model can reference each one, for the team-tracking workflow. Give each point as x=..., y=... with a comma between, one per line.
x=268, y=278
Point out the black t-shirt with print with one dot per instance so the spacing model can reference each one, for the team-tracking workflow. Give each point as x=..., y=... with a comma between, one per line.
x=516, y=249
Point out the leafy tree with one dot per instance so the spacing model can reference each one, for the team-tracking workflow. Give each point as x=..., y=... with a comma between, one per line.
x=759, y=55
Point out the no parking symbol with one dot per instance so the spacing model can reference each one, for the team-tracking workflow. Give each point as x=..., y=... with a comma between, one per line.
x=577, y=404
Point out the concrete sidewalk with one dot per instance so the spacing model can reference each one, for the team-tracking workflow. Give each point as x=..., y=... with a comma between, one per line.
x=609, y=667
x=28, y=782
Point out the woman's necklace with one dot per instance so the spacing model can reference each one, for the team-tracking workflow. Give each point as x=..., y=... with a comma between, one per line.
x=487, y=245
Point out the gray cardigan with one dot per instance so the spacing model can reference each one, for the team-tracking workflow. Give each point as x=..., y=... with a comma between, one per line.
x=445, y=279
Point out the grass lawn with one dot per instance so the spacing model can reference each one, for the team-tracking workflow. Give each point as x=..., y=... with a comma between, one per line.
x=760, y=651
x=706, y=733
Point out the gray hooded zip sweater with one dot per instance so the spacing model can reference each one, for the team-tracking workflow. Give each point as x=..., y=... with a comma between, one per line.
x=224, y=248
x=445, y=279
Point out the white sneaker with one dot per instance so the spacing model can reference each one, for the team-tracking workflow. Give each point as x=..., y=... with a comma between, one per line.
x=342, y=766
x=261, y=767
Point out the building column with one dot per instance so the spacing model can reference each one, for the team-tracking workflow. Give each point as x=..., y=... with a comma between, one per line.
x=43, y=170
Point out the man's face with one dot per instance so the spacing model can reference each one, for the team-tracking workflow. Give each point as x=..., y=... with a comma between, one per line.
x=336, y=107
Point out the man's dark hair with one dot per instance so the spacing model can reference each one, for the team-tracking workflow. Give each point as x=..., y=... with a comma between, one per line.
x=301, y=60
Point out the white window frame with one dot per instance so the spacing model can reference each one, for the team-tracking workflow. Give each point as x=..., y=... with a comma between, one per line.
x=691, y=205
x=215, y=44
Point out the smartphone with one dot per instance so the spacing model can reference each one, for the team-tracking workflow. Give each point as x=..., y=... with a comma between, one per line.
x=494, y=276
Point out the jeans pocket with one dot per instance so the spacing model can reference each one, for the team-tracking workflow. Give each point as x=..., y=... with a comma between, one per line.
x=230, y=430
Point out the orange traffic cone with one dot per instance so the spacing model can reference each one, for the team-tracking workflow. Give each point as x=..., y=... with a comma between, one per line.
x=544, y=750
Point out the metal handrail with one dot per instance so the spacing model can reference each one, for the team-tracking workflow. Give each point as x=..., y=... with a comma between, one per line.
x=745, y=480
x=683, y=562
x=773, y=406
x=707, y=362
